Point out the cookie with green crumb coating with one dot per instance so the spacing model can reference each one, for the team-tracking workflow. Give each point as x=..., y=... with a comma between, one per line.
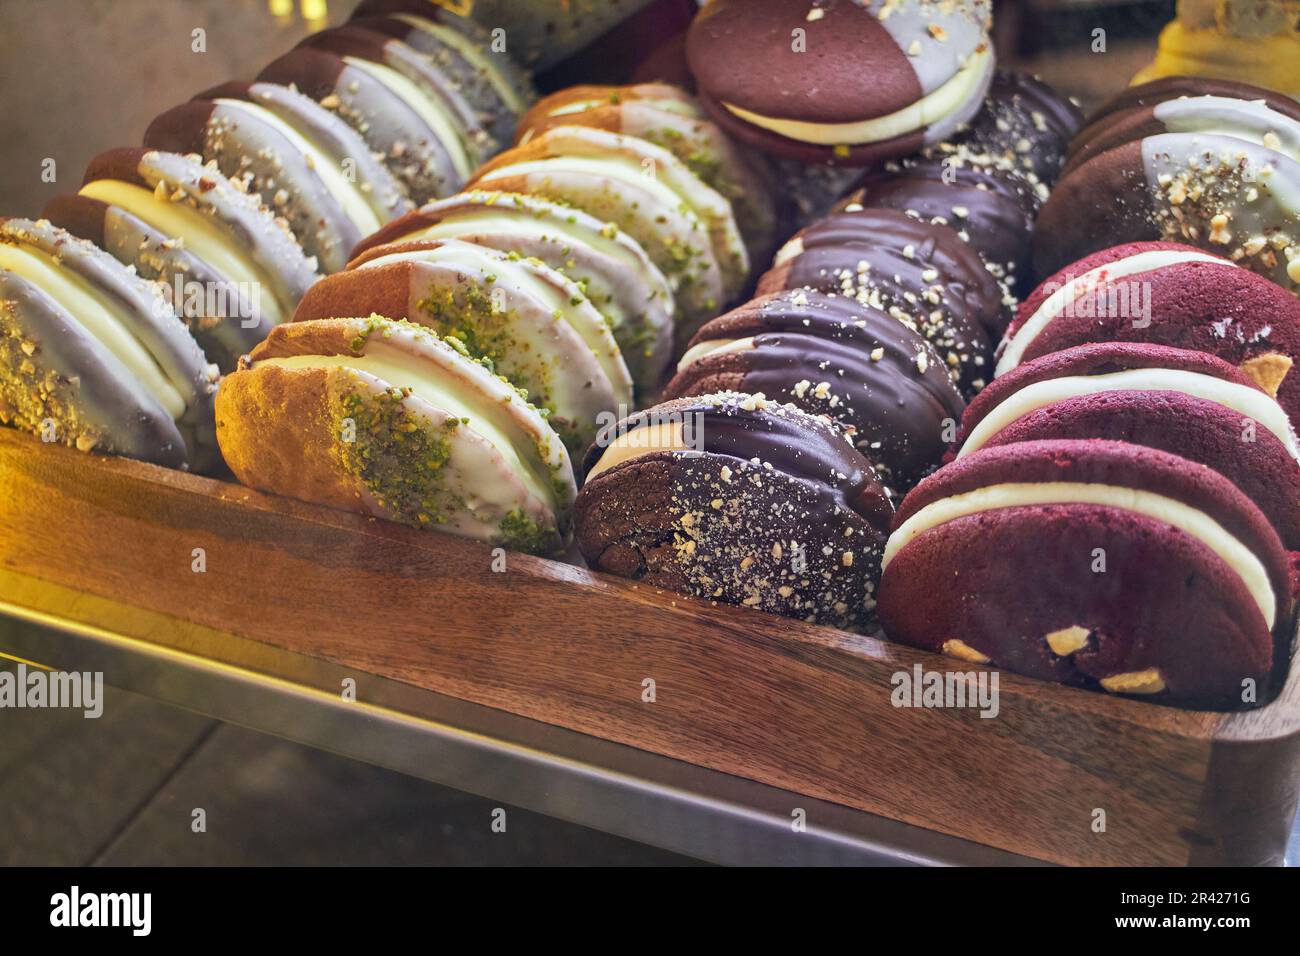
x=387, y=418
x=531, y=323
x=670, y=117
x=609, y=266
x=687, y=228
x=92, y=356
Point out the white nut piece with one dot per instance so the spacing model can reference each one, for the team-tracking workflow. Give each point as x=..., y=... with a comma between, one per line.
x=1067, y=640
x=956, y=648
x=1148, y=681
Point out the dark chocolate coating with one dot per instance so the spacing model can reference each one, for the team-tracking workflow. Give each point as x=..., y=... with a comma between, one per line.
x=887, y=386
x=798, y=531
x=917, y=271
x=1025, y=118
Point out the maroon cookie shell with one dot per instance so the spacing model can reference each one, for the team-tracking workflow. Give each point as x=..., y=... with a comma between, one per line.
x=830, y=355
x=832, y=80
x=1179, y=414
x=762, y=505
x=1117, y=566
x=921, y=273
x=1184, y=298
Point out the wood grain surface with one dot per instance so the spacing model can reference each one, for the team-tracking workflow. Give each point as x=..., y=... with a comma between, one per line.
x=796, y=706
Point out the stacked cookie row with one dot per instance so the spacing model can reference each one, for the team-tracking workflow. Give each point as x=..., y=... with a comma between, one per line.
x=217, y=227
x=508, y=322
x=1135, y=470
x=875, y=323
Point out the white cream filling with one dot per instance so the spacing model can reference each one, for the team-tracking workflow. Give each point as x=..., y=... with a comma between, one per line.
x=589, y=326
x=196, y=233
x=403, y=370
x=929, y=109
x=657, y=436
x=1239, y=398
x=619, y=168
x=1063, y=298
x=1185, y=518
x=347, y=193
x=97, y=314
x=435, y=115
x=666, y=105
x=471, y=52
x=714, y=347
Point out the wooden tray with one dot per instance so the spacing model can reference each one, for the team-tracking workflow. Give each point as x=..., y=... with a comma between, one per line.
x=800, y=707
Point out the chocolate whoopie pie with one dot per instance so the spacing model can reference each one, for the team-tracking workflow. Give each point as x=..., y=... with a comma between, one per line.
x=669, y=117
x=231, y=267
x=387, y=419
x=737, y=499
x=526, y=320
x=840, y=81
x=610, y=267
x=1166, y=294
x=1117, y=566
x=1219, y=172
x=921, y=273
x=876, y=377
x=989, y=180
x=92, y=356
x=309, y=166
x=1189, y=403
x=686, y=228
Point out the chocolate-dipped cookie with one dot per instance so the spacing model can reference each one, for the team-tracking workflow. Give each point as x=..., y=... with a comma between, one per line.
x=387, y=419
x=1189, y=403
x=1117, y=567
x=737, y=499
x=921, y=273
x=669, y=117
x=687, y=228
x=528, y=321
x=387, y=110
x=876, y=377
x=483, y=73
x=417, y=79
x=1166, y=294
x=610, y=267
x=1217, y=172
x=231, y=267
x=91, y=355
x=839, y=81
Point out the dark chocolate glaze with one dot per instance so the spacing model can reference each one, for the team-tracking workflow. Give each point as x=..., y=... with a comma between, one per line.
x=793, y=442
x=888, y=388
x=1025, y=118
x=918, y=272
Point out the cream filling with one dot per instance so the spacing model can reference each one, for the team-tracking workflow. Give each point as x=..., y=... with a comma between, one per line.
x=667, y=106
x=619, y=168
x=1185, y=518
x=403, y=370
x=196, y=231
x=1064, y=297
x=929, y=109
x=471, y=52
x=435, y=115
x=347, y=193
x=714, y=347
x=97, y=314
x=589, y=326
x=657, y=436
x=1239, y=398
